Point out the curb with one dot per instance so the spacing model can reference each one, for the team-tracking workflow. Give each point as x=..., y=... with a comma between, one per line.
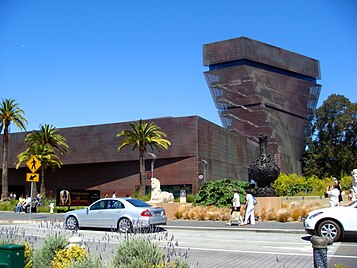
x=233, y=228
x=239, y=229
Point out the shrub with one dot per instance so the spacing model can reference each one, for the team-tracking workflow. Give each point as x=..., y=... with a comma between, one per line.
x=296, y=214
x=283, y=215
x=346, y=182
x=178, y=214
x=88, y=262
x=143, y=253
x=137, y=253
x=263, y=215
x=64, y=257
x=219, y=192
x=42, y=258
x=8, y=205
x=28, y=253
x=271, y=215
x=190, y=198
x=293, y=184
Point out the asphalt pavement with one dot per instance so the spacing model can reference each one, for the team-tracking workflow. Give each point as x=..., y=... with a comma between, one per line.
x=7, y=217
x=343, y=253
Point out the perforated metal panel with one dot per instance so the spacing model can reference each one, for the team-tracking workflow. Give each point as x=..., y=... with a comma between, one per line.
x=258, y=88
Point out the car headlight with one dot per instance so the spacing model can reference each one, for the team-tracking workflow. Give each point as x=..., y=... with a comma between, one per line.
x=314, y=215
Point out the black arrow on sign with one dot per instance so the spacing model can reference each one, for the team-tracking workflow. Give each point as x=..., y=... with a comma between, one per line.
x=32, y=177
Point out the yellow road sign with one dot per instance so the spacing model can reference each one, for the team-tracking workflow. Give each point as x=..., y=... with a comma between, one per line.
x=33, y=164
x=32, y=177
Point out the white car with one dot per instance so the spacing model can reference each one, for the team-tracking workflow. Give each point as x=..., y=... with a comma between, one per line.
x=333, y=222
x=123, y=214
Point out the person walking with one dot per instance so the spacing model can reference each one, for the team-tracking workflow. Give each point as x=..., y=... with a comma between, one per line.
x=338, y=186
x=249, y=208
x=235, y=212
x=334, y=195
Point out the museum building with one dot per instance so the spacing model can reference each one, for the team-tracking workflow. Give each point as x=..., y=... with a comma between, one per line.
x=257, y=88
x=93, y=162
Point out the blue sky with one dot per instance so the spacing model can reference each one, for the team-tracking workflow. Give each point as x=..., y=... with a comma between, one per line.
x=74, y=63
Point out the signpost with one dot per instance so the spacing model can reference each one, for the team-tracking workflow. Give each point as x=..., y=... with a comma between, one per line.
x=33, y=164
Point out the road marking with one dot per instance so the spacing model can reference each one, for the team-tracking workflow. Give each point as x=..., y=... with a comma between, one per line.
x=248, y=251
x=243, y=241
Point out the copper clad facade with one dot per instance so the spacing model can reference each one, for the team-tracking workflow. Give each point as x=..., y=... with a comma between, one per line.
x=259, y=88
x=93, y=162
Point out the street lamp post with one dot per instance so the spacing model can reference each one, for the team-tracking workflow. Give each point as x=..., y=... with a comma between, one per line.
x=204, y=169
x=152, y=164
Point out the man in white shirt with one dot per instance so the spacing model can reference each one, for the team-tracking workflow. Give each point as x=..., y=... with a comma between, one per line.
x=249, y=208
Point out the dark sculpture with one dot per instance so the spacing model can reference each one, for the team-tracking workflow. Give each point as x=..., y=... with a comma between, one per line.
x=264, y=170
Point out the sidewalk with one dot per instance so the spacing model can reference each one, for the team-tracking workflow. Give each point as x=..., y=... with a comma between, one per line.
x=7, y=217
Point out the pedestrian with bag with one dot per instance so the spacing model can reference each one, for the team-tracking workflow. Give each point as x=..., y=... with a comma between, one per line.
x=235, y=212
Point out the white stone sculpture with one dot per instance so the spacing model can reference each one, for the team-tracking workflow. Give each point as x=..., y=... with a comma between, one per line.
x=158, y=196
x=354, y=185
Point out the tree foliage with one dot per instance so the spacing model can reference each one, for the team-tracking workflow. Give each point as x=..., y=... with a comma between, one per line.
x=43, y=144
x=292, y=184
x=332, y=143
x=10, y=112
x=141, y=135
x=220, y=192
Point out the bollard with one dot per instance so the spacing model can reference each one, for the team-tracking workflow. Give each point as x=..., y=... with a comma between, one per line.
x=74, y=241
x=319, y=245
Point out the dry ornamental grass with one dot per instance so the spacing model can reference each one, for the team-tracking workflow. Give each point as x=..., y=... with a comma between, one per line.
x=289, y=212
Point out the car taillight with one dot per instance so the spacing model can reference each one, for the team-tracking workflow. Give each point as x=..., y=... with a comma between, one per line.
x=146, y=213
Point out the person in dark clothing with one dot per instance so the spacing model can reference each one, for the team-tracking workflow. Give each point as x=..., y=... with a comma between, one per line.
x=338, y=186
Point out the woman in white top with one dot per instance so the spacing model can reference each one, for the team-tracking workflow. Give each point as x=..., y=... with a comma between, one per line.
x=334, y=195
x=235, y=213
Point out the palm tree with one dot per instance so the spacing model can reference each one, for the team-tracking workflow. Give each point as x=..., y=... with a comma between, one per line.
x=44, y=143
x=48, y=135
x=141, y=135
x=9, y=112
x=47, y=157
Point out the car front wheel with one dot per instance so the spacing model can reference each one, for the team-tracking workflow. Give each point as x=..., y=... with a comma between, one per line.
x=125, y=226
x=329, y=229
x=71, y=223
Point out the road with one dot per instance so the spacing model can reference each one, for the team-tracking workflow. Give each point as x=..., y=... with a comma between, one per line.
x=251, y=249
x=205, y=248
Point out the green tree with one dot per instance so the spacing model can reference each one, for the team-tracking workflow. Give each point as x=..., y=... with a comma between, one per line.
x=141, y=135
x=9, y=112
x=332, y=142
x=44, y=143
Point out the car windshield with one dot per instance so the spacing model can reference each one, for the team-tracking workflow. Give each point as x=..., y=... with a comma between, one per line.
x=138, y=203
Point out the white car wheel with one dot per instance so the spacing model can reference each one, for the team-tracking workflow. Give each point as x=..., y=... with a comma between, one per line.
x=125, y=226
x=72, y=223
x=329, y=229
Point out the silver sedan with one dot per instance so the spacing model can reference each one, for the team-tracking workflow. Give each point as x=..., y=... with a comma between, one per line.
x=122, y=214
